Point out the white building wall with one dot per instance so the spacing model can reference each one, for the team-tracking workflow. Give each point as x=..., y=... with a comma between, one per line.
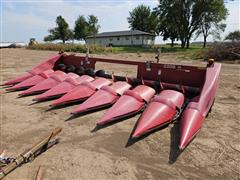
x=122, y=40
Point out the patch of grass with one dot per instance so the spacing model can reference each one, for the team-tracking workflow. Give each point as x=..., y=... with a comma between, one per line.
x=71, y=48
x=194, y=52
x=133, y=49
x=153, y=49
x=191, y=53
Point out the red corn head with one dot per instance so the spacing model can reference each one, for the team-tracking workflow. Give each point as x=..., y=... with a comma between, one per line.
x=53, y=80
x=81, y=92
x=161, y=110
x=190, y=124
x=105, y=96
x=32, y=81
x=18, y=79
x=131, y=102
x=64, y=87
x=44, y=66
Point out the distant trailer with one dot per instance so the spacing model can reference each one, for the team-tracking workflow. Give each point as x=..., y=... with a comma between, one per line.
x=12, y=45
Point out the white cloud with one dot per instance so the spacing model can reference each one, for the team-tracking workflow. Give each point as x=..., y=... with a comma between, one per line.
x=10, y=18
x=21, y=27
x=35, y=18
x=25, y=19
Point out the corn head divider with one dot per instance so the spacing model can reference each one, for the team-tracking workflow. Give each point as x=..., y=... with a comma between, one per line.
x=164, y=92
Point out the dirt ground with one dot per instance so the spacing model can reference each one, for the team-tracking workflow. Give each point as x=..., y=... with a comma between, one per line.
x=82, y=154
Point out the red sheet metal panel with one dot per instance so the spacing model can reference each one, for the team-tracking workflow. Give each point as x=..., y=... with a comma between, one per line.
x=64, y=87
x=53, y=80
x=45, y=65
x=32, y=81
x=119, y=87
x=190, y=124
x=169, y=73
x=199, y=106
x=107, y=95
x=82, y=91
x=18, y=79
x=131, y=102
x=161, y=110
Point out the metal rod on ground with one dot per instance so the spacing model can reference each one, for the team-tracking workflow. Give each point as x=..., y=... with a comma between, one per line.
x=39, y=173
x=29, y=154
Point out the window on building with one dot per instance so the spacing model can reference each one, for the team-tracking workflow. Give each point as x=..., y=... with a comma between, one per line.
x=118, y=38
x=137, y=37
x=127, y=38
x=110, y=39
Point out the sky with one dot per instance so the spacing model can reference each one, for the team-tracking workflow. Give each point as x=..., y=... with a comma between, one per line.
x=25, y=19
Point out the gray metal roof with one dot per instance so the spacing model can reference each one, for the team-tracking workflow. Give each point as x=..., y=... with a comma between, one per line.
x=121, y=33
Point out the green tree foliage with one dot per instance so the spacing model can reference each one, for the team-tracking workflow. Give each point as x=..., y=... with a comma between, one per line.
x=60, y=32
x=165, y=28
x=93, y=25
x=142, y=18
x=186, y=16
x=86, y=27
x=214, y=13
x=80, y=29
x=233, y=36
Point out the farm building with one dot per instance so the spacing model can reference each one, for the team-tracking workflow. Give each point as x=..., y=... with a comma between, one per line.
x=122, y=38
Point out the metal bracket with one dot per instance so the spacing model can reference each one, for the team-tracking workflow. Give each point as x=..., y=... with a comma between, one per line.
x=87, y=56
x=87, y=60
x=148, y=65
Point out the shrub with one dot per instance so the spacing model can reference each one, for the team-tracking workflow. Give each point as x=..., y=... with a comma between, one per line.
x=223, y=51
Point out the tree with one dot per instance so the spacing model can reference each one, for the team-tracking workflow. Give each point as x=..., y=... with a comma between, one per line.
x=93, y=25
x=86, y=27
x=61, y=32
x=214, y=13
x=80, y=29
x=166, y=28
x=233, y=36
x=185, y=15
x=143, y=19
x=168, y=31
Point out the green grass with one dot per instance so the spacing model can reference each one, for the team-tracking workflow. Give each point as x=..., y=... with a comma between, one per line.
x=218, y=51
x=71, y=48
x=151, y=49
x=177, y=48
x=191, y=53
x=132, y=49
